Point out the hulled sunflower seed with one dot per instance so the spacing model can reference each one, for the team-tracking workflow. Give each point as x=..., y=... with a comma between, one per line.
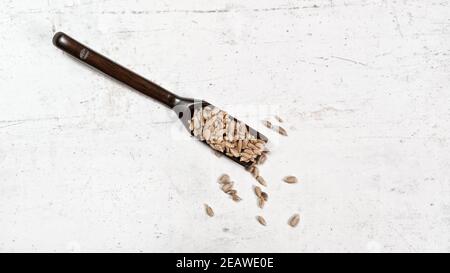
x=281, y=131
x=278, y=119
x=264, y=196
x=236, y=198
x=249, y=151
x=290, y=179
x=252, y=147
x=294, y=220
x=267, y=123
x=209, y=210
x=224, y=178
x=234, y=152
x=261, y=181
x=261, y=202
x=259, y=146
x=227, y=187
x=244, y=143
x=255, y=171
x=239, y=146
x=261, y=220
x=261, y=159
x=258, y=191
x=245, y=159
x=206, y=134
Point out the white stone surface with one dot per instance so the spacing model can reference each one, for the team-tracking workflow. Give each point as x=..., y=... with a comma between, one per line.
x=87, y=165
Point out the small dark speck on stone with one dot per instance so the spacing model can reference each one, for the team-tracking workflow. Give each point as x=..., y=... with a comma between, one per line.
x=225, y=229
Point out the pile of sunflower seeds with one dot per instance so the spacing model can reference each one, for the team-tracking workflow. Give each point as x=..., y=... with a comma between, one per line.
x=226, y=134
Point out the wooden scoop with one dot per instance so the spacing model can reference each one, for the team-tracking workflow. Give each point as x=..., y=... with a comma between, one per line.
x=183, y=107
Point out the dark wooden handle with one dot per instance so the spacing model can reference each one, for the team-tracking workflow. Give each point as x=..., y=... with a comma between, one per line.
x=118, y=72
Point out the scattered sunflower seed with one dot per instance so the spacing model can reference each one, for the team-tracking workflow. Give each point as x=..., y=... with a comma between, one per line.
x=267, y=123
x=236, y=198
x=227, y=187
x=261, y=159
x=209, y=210
x=224, y=178
x=255, y=171
x=261, y=220
x=281, y=131
x=258, y=191
x=261, y=181
x=250, y=168
x=290, y=179
x=293, y=221
x=264, y=196
x=261, y=202
x=278, y=119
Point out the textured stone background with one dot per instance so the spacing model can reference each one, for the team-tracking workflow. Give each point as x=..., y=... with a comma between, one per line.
x=87, y=165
